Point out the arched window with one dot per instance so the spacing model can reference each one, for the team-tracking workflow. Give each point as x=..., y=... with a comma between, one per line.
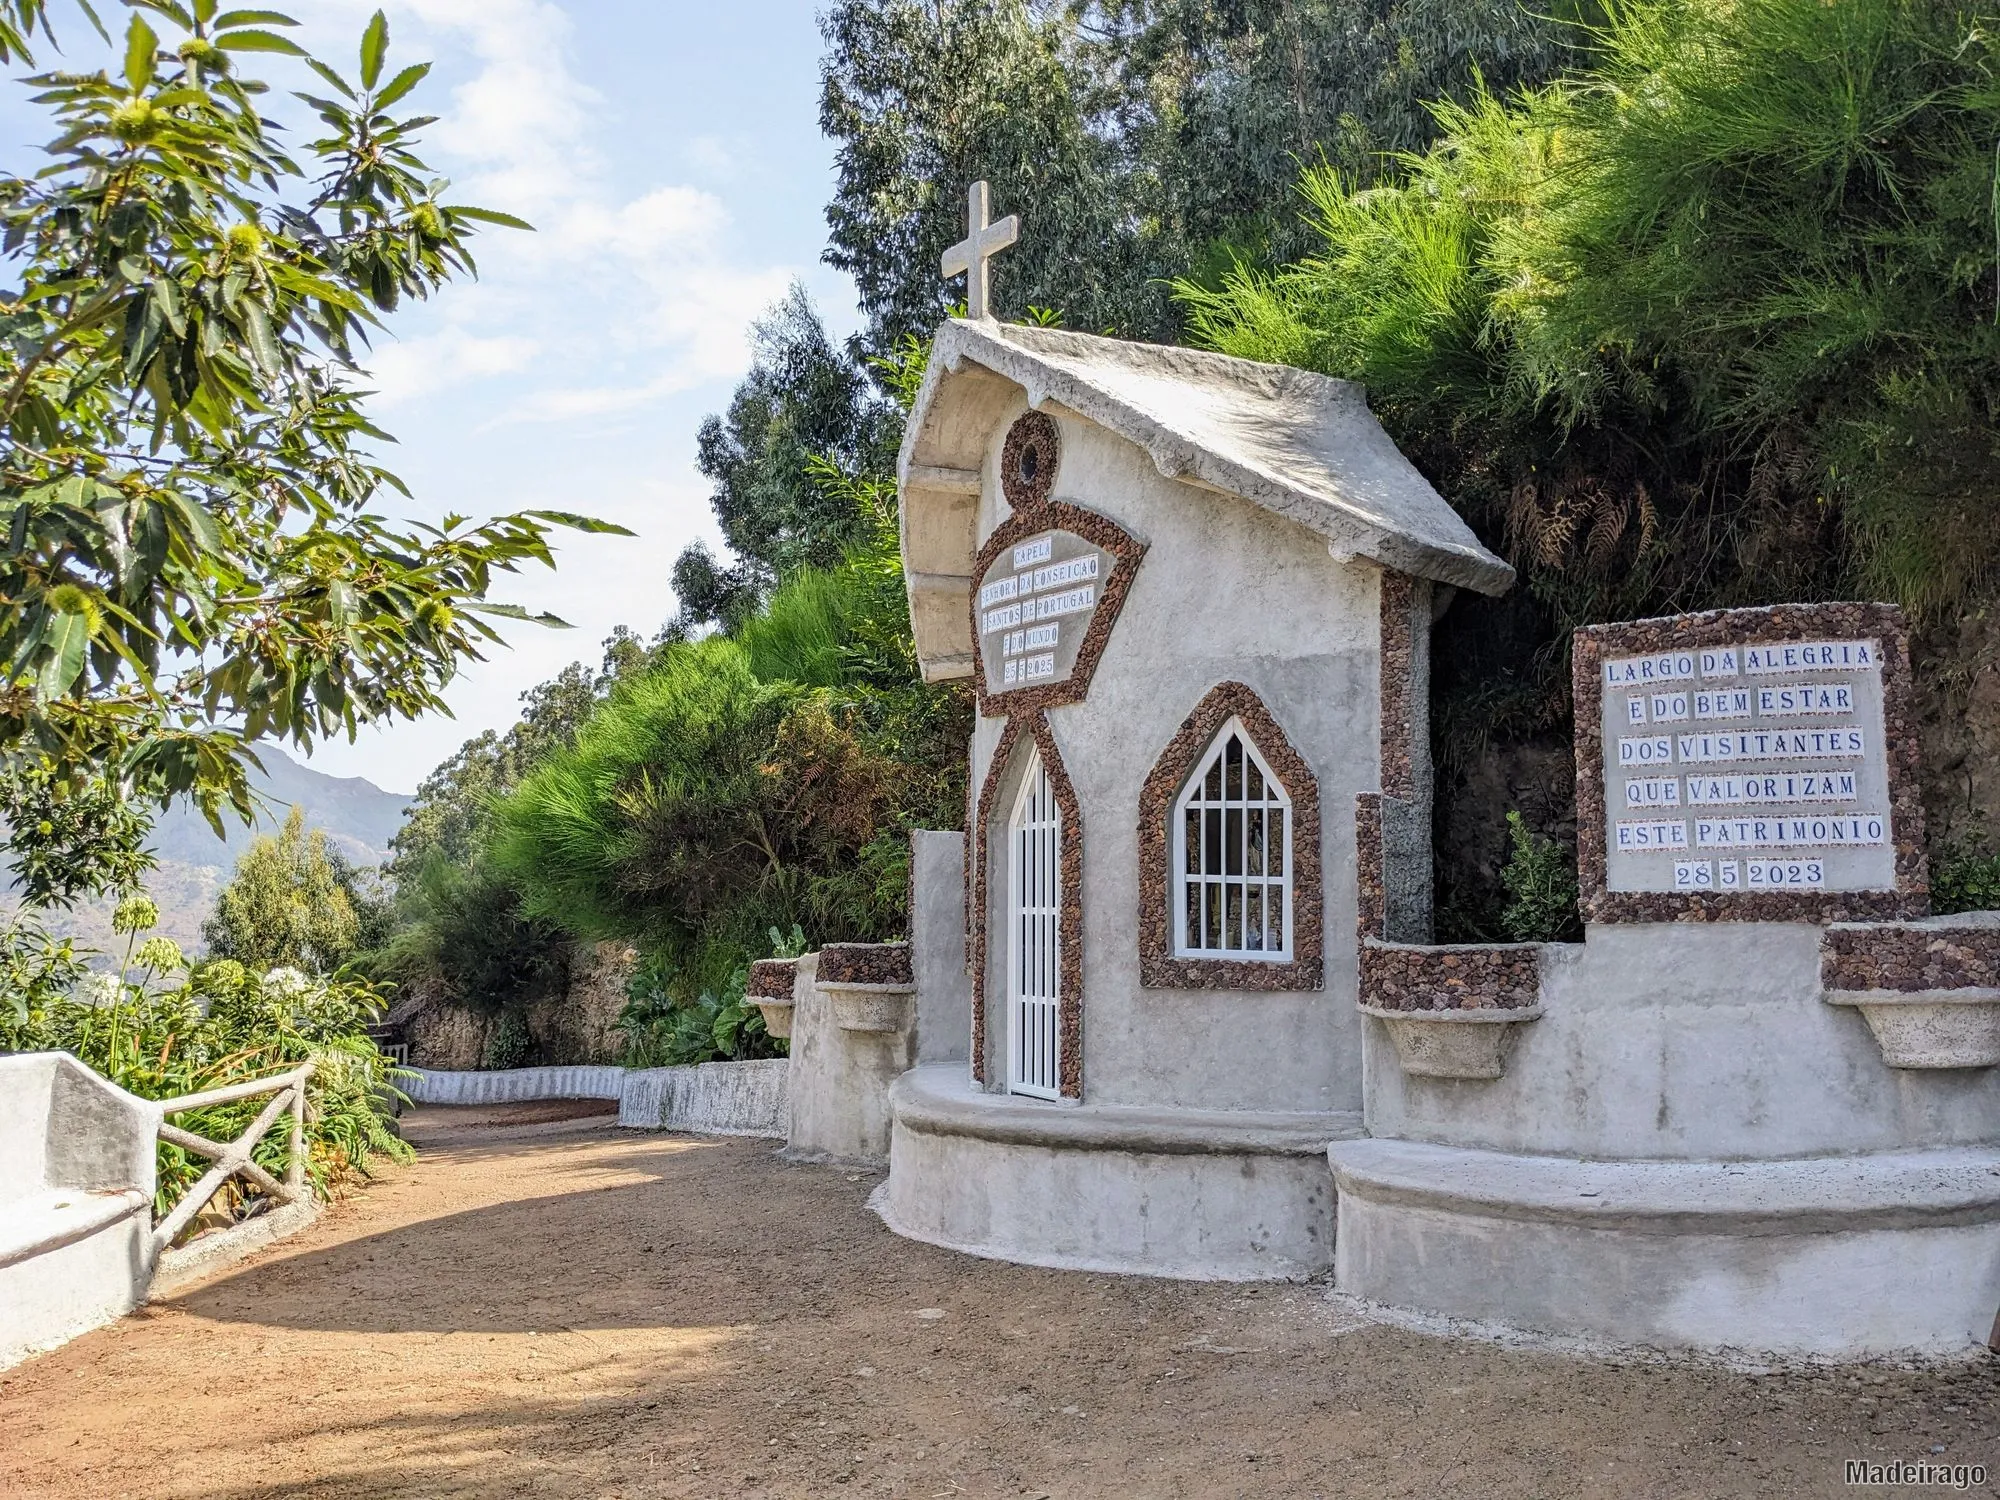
x=1232, y=856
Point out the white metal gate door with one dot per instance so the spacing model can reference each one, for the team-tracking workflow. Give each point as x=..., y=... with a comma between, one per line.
x=1034, y=937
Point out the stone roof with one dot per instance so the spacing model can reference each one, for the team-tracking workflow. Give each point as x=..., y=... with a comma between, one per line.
x=1301, y=445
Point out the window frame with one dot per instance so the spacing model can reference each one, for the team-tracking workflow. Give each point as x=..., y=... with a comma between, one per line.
x=1180, y=876
x=1161, y=965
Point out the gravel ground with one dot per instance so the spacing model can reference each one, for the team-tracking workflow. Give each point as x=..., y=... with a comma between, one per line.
x=546, y=1305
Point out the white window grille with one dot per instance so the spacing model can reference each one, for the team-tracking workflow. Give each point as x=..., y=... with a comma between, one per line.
x=1233, y=856
x=1034, y=936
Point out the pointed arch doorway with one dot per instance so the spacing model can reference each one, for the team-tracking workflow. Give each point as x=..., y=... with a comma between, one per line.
x=1034, y=935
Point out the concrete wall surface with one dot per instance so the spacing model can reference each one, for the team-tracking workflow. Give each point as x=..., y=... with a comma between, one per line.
x=1687, y=1040
x=1845, y=1257
x=715, y=1098
x=937, y=946
x=1208, y=1195
x=513, y=1085
x=1226, y=592
x=77, y=1172
x=840, y=1080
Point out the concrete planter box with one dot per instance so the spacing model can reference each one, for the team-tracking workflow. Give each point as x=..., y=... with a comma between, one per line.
x=1453, y=1043
x=871, y=1007
x=1957, y=1028
x=777, y=1014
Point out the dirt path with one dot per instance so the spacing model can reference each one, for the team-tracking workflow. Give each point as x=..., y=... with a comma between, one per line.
x=549, y=1306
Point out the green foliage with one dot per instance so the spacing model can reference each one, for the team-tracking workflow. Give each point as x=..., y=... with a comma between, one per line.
x=79, y=835
x=193, y=559
x=463, y=935
x=662, y=1029
x=764, y=779
x=168, y=1032
x=804, y=399
x=1145, y=140
x=1540, y=881
x=508, y=1044
x=1715, y=320
x=36, y=970
x=1965, y=876
x=286, y=905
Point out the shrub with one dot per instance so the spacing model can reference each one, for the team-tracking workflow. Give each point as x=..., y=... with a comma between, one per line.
x=1967, y=878
x=508, y=1044
x=160, y=1031
x=1540, y=881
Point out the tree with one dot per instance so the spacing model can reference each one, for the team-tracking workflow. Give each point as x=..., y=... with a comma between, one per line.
x=286, y=906
x=803, y=397
x=194, y=558
x=925, y=96
x=1142, y=140
x=1712, y=323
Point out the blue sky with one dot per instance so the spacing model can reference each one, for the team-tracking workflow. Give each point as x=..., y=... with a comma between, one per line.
x=670, y=158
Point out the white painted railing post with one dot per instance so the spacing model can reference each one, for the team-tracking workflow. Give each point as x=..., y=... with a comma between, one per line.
x=295, y=1160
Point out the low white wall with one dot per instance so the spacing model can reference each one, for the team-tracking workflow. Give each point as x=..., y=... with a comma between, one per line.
x=76, y=1189
x=1843, y=1257
x=719, y=1098
x=514, y=1085
x=1688, y=1041
x=1205, y=1195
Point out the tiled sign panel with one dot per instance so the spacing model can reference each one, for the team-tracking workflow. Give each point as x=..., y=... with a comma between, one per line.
x=1034, y=604
x=1758, y=766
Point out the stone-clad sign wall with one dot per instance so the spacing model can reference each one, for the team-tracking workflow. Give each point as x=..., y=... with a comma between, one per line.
x=1752, y=763
x=1035, y=605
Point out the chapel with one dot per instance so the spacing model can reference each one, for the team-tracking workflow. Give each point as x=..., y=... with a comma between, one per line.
x=1171, y=1003
x=1193, y=596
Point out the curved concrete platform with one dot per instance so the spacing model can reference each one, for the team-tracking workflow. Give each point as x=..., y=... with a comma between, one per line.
x=1208, y=1195
x=1840, y=1257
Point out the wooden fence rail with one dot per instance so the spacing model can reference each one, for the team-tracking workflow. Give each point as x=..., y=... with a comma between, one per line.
x=233, y=1159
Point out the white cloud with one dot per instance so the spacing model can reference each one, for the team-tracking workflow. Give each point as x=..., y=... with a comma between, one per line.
x=423, y=366
x=617, y=301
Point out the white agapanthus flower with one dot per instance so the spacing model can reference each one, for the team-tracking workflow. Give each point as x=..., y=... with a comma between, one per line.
x=99, y=990
x=287, y=983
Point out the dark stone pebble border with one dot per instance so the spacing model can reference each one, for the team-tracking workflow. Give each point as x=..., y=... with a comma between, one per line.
x=771, y=978
x=1903, y=958
x=1396, y=976
x=1159, y=969
x=865, y=963
x=1069, y=982
x=1099, y=531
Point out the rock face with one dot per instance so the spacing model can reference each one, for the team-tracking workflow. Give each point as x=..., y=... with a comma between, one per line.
x=578, y=1025
x=1958, y=723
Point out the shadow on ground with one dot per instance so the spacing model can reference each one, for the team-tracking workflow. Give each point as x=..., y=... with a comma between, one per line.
x=560, y=1308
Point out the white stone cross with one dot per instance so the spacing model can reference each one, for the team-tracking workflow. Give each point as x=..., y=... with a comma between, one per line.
x=982, y=242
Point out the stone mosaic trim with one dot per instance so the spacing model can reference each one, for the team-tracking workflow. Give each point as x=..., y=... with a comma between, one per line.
x=1398, y=724
x=1501, y=976
x=1372, y=894
x=1727, y=627
x=1029, y=459
x=1099, y=531
x=865, y=963
x=771, y=979
x=1902, y=958
x=1069, y=983
x=1159, y=968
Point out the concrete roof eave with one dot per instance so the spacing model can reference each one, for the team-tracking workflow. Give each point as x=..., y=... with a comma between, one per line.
x=1301, y=445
